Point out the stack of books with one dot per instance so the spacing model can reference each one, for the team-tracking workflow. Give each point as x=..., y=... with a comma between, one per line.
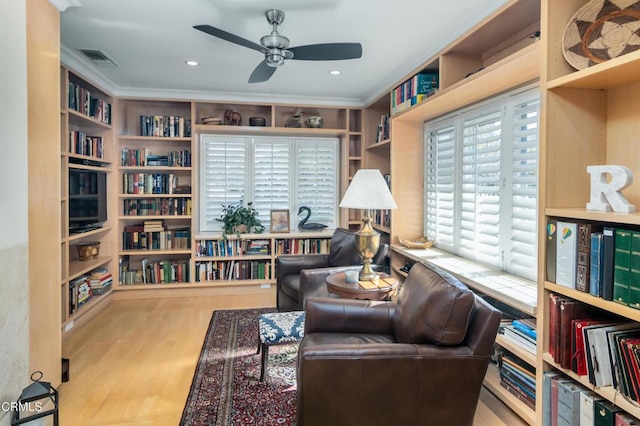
x=518, y=378
x=521, y=332
x=100, y=281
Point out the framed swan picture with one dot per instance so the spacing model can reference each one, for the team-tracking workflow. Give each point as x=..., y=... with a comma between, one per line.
x=279, y=221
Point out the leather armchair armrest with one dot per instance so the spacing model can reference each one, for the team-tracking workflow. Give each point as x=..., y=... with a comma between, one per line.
x=313, y=281
x=348, y=316
x=293, y=264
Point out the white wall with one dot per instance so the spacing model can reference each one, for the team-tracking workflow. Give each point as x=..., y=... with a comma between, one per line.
x=14, y=279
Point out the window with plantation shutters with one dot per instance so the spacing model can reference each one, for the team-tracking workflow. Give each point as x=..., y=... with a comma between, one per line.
x=317, y=178
x=481, y=174
x=223, y=177
x=272, y=173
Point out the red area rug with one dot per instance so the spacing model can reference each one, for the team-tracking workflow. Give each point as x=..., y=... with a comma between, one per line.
x=226, y=387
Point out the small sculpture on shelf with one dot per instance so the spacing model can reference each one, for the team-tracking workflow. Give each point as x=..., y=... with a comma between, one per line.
x=232, y=118
x=294, y=121
x=304, y=226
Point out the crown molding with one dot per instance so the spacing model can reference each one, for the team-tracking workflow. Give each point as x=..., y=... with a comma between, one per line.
x=62, y=5
x=78, y=64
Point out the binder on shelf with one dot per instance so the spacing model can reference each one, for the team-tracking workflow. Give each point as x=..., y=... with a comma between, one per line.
x=566, y=254
x=595, y=265
x=551, y=248
x=621, y=266
x=608, y=241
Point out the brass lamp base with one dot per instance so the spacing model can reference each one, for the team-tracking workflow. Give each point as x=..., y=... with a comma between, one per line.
x=367, y=243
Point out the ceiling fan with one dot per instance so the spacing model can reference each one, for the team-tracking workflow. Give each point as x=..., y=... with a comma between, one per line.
x=275, y=48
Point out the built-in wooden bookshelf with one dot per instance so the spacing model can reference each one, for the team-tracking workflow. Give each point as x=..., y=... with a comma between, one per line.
x=86, y=154
x=600, y=103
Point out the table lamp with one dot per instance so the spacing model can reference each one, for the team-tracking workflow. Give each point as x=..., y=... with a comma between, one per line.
x=368, y=191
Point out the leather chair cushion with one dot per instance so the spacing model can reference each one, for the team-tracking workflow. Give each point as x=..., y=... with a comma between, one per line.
x=433, y=307
x=290, y=285
x=342, y=251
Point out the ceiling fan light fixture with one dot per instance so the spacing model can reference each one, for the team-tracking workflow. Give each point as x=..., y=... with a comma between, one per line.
x=191, y=63
x=274, y=41
x=274, y=59
x=334, y=72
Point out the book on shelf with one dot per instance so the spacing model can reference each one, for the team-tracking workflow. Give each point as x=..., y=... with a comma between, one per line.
x=165, y=126
x=587, y=400
x=583, y=265
x=547, y=378
x=596, y=258
x=518, y=338
x=569, y=402
x=526, y=326
x=604, y=413
x=551, y=247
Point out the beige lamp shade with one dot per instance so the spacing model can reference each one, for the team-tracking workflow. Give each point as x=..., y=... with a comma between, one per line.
x=368, y=190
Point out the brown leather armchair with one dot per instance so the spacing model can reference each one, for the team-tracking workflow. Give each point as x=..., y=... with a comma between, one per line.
x=418, y=361
x=299, y=276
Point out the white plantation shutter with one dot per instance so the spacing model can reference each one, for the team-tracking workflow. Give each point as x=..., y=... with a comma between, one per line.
x=223, y=177
x=480, y=187
x=440, y=183
x=272, y=179
x=524, y=193
x=270, y=172
x=481, y=178
x=317, y=178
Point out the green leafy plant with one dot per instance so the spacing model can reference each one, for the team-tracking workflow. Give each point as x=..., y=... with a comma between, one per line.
x=234, y=216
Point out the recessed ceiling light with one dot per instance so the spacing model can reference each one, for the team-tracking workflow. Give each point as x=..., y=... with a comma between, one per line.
x=334, y=72
x=191, y=63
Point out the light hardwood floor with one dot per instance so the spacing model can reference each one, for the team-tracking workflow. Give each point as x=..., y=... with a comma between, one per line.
x=133, y=363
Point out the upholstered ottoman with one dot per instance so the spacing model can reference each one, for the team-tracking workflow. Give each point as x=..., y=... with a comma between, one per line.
x=278, y=328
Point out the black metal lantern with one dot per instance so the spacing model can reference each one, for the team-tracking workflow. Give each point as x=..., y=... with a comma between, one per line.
x=33, y=400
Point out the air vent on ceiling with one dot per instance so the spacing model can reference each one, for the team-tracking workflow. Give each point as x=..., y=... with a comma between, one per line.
x=99, y=57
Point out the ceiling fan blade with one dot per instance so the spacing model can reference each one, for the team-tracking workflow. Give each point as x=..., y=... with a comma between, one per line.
x=216, y=32
x=263, y=72
x=327, y=52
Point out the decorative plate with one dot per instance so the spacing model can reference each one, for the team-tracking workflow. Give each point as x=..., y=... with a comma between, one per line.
x=602, y=30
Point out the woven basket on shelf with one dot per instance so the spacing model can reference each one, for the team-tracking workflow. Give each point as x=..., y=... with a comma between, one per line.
x=418, y=243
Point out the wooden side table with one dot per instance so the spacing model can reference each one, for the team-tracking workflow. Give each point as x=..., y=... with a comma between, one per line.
x=379, y=289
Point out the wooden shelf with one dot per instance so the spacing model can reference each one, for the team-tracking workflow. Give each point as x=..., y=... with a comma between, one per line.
x=595, y=216
x=77, y=267
x=517, y=69
x=74, y=237
x=155, y=168
x=518, y=351
x=252, y=130
x=236, y=257
x=201, y=284
x=152, y=252
x=154, y=195
x=80, y=119
x=607, y=392
x=95, y=301
x=153, y=139
x=150, y=217
x=378, y=145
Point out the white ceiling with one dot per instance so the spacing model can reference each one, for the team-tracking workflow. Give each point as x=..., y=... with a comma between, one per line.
x=150, y=40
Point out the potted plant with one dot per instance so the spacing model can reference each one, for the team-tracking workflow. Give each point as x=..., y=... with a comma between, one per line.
x=238, y=219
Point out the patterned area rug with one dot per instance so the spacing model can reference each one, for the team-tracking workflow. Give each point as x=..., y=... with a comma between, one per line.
x=226, y=387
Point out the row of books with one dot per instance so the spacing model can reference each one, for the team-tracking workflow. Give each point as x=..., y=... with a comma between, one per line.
x=157, y=207
x=233, y=270
x=302, y=246
x=164, y=271
x=518, y=378
x=383, y=131
x=413, y=91
x=221, y=248
x=595, y=344
x=143, y=157
x=81, y=100
x=382, y=217
x=566, y=402
x=149, y=183
x=83, y=144
x=168, y=126
x=134, y=237
x=100, y=281
x=602, y=261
